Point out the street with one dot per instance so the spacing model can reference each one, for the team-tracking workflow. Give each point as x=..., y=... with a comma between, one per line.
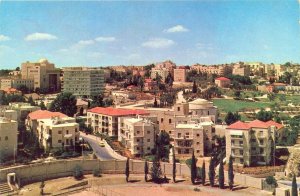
x=102, y=153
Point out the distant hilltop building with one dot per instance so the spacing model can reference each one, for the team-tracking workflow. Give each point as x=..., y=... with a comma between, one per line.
x=163, y=69
x=83, y=81
x=219, y=70
x=44, y=75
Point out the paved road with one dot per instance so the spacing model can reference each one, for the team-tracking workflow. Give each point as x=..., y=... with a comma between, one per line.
x=103, y=153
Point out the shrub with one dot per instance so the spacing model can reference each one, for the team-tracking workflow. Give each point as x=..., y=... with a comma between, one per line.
x=96, y=173
x=270, y=180
x=196, y=189
x=78, y=173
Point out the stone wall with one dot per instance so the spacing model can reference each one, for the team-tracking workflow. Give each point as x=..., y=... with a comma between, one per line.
x=62, y=168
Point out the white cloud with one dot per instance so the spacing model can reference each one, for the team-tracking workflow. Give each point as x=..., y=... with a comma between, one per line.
x=176, y=29
x=4, y=38
x=158, y=43
x=40, y=36
x=203, y=46
x=105, y=39
x=86, y=42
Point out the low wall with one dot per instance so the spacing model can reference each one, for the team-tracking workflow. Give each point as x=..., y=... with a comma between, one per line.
x=62, y=168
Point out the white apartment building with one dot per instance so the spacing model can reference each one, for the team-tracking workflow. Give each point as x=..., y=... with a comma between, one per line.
x=251, y=143
x=138, y=134
x=83, y=81
x=8, y=138
x=58, y=133
x=105, y=120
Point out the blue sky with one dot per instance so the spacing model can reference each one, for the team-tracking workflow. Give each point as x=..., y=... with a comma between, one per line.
x=123, y=33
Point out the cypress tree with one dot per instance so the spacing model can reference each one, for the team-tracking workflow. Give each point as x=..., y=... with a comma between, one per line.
x=221, y=174
x=294, y=187
x=230, y=173
x=155, y=103
x=203, y=176
x=194, y=89
x=146, y=169
x=211, y=172
x=127, y=170
x=174, y=165
x=193, y=169
x=156, y=170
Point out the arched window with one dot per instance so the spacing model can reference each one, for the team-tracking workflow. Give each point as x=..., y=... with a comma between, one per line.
x=6, y=138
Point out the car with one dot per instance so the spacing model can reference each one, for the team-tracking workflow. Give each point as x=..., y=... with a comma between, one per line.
x=101, y=144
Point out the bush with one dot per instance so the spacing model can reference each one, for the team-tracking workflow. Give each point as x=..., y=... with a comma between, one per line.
x=270, y=180
x=196, y=189
x=78, y=173
x=96, y=173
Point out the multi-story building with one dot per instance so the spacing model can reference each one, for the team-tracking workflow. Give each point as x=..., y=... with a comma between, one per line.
x=180, y=75
x=9, y=114
x=44, y=75
x=163, y=73
x=241, y=69
x=33, y=117
x=138, y=134
x=191, y=137
x=23, y=109
x=251, y=143
x=83, y=81
x=58, y=132
x=16, y=83
x=105, y=120
x=220, y=70
x=222, y=82
x=8, y=138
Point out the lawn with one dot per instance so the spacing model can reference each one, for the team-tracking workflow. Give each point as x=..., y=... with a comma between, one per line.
x=226, y=105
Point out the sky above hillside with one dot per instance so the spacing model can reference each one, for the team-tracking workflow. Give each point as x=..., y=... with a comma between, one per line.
x=123, y=33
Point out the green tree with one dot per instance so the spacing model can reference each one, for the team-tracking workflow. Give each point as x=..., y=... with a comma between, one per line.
x=156, y=170
x=203, y=174
x=42, y=106
x=42, y=185
x=294, y=186
x=271, y=96
x=174, y=165
x=230, y=173
x=141, y=83
x=17, y=68
x=221, y=173
x=127, y=169
x=193, y=169
x=65, y=103
x=155, y=103
x=211, y=172
x=146, y=170
x=23, y=88
x=237, y=94
x=232, y=117
x=195, y=88
x=162, y=145
x=264, y=115
x=30, y=100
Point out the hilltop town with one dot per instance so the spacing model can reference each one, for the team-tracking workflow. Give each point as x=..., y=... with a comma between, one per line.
x=233, y=126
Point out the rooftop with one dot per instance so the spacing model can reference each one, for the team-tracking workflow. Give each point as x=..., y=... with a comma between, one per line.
x=188, y=126
x=254, y=124
x=45, y=114
x=223, y=79
x=116, y=111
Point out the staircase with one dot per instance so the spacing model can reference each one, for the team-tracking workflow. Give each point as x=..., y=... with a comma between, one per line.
x=5, y=189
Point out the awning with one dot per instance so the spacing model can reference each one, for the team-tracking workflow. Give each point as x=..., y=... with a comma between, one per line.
x=239, y=133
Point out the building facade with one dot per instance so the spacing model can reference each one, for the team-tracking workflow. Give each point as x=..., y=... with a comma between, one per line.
x=8, y=138
x=222, y=82
x=251, y=143
x=105, y=120
x=58, y=132
x=16, y=83
x=44, y=75
x=138, y=134
x=83, y=81
x=180, y=75
x=241, y=69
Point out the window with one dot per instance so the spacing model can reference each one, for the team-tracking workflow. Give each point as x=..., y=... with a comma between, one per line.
x=170, y=121
x=59, y=141
x=138, y=148
x=59, y=132
x=241, y=152
x=148, y=148
x=138, y=132
x=76, y=130
x=198, y=134
x=198, y=151
x=179, y=135
x=137, y=140
x=161, y=120
x=67, y=132
x=148, y=132
x=0, y=138
x=241, y=142
x=178, y=109
x=198, y=143
x=6, y=138
x=148, y=140
x=241, y=161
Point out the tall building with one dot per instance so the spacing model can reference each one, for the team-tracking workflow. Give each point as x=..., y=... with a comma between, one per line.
x=251, y=143
x=44, y=75
x=106, y=120
x=8, y=138
x=241, y=69
x=83, y=81
x=138, y=134
x=180, y=75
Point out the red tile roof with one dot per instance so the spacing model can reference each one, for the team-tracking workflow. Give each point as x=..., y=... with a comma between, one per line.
x=223, y=79
x=258, y=124
x=273, y=123
x=254, y=124
x=239, y=125
x=116, y=111
x=44, y=114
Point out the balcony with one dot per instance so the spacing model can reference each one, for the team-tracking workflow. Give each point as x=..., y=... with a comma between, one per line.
x=261, y=135
x=237, y=146
x=237, y=138
x=237, y=155
x=183, y=138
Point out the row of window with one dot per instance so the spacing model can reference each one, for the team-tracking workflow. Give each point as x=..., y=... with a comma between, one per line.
x=5, y=138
